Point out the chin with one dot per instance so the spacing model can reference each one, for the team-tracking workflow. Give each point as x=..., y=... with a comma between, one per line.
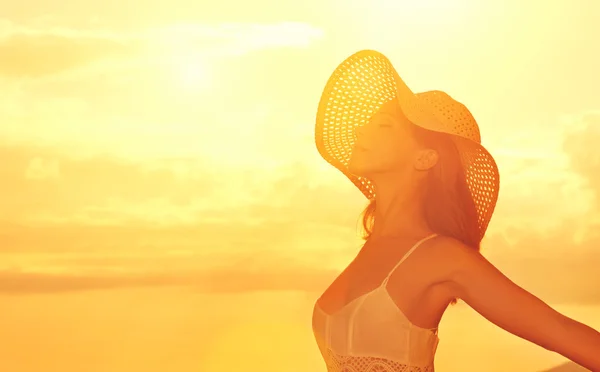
x=359, y=170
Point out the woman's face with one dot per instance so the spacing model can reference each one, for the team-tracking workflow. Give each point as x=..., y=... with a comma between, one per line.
x=386, y=144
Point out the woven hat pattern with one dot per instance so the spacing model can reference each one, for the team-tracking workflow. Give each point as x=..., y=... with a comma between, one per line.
x=361, y=85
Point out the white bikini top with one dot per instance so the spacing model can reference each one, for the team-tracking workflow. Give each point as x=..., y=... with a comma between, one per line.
x=371, y=334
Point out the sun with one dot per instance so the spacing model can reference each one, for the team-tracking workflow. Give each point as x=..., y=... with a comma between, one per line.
x=191, y=72
x=184, y=61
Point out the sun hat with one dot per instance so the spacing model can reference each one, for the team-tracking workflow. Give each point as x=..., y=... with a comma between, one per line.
x=360, y=86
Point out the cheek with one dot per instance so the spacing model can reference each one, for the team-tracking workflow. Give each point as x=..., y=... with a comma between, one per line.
x=392, y=151
x=385, y=157
x=393, y=157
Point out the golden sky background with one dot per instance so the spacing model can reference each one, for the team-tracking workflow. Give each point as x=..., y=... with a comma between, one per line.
x=159, y=169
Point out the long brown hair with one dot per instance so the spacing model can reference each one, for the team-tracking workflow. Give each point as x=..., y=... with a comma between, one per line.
x=448, y=205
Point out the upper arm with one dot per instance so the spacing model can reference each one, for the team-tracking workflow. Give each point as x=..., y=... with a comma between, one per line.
x=482, y=286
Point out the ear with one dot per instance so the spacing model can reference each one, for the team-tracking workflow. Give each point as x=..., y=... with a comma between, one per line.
x=426, y=159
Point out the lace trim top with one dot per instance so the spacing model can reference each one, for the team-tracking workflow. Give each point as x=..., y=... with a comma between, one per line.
x=371, y=334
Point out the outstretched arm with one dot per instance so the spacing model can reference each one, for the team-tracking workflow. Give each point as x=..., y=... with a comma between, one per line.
x=483, y=287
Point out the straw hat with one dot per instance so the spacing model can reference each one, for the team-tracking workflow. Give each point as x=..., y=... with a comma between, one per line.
x=358, y=88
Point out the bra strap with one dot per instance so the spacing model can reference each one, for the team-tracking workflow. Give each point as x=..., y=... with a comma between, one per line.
x=411, y=250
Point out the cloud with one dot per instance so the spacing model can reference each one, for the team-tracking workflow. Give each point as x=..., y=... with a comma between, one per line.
x=142, y=103
x=568, y=192
x=106, y=222
x=529, y=186
x=42, y=181
x=236, y=279
x=38, y=52
x=581, y=145
x=273, y=255
x=555, y=174
x=47, y=185
x=12, y=282
x=240, y=38
x=282, y=250
x=270, y=264
x=40, y=168
x=567, y=255
x=187, y=222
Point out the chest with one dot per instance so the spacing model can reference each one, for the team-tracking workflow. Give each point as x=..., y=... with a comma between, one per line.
x=362, y=275
x=366, y=272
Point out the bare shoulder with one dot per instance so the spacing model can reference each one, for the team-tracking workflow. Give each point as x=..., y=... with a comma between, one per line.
x=453, y=253
x=456, y=260
x=468, y=275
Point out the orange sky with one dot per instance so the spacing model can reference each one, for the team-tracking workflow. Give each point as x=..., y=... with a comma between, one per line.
x=159, y=156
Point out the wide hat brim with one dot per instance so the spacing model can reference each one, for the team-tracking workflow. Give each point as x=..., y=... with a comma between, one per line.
x=361, y=85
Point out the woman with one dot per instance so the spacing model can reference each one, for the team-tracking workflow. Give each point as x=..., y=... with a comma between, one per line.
x=432, y=189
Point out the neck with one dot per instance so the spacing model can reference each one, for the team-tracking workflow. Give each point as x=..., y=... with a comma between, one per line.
x=400, y=211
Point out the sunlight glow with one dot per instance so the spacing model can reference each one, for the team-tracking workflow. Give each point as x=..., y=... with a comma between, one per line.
x=259, y=346
x=429, y=15
x=184, y=62
x=191, y=72
x=421, y=7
